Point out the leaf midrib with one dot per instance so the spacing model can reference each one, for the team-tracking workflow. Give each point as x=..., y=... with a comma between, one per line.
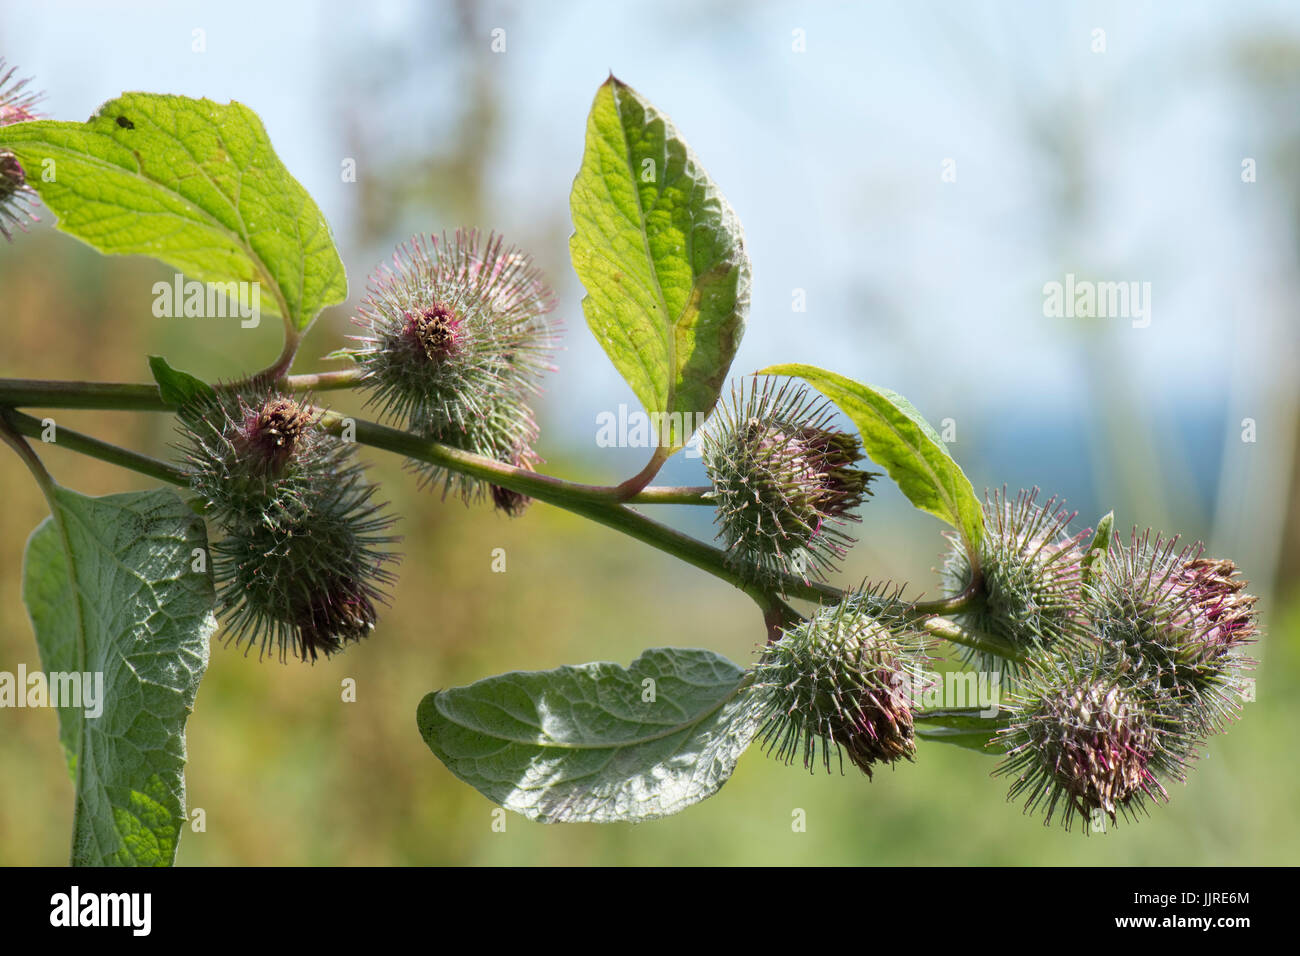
x=670, y=327
x=549, y=745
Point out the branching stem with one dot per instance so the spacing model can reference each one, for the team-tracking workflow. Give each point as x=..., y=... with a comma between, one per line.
x=610, y=506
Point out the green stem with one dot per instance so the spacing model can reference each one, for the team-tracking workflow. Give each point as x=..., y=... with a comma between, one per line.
x=630, y=488
x=280, y=368
x=94, y=448
x=596, y=502
x=674, y=495
x=12, y=435
x=546, y=488
x=130, y=397
x=962, y=601
x=324, y=381
x=950, y=630
x=777, y=617
x=106, y=395
x=603, y=504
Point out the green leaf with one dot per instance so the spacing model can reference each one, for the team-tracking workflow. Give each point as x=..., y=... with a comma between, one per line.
x=597, y=743
x=899, y=439
x=179, y=389
x=662, y=257
x=193, y=183
x=111, y=589
x=1095, y=557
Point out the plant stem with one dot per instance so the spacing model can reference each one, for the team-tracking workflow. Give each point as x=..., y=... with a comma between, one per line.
x=292, y=337
x=964, y=726
x=12, y=436
x=10, y=424
x=777, y=618
x=104, y=395
x=962, y=601
x=674, y=495
x=603, y=504
x=950, y=630
x=599, y=507
x=94, y=448
x=596, y=502
x=130, y=397
x=323, y=381
x=630, y=488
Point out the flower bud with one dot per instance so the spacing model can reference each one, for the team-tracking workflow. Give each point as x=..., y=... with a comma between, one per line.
x=1177, y=619
x=1082, y=743
x=1225, y=617
x=844, y=681
x=253, y=459
x=784, y=481
x=273, y=432
x=454, y=342
x=1031, y=568
x=308, y=586
x=303, y=558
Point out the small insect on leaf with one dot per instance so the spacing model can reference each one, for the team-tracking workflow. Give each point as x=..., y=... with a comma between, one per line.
x=125, y=123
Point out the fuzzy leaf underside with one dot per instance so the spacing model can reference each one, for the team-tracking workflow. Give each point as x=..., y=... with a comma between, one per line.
x=583, y=744
x=900, y=440
x=191, y=182
x=110, y=588
x=662, y=258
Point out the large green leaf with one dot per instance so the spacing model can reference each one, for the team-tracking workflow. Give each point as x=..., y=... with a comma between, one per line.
x=597, y=743
x=899, y=439
x=662, y=258
x=111, y=589
x=193, y=183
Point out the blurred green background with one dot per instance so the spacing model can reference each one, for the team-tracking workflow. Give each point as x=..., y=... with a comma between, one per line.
x=1123, y=164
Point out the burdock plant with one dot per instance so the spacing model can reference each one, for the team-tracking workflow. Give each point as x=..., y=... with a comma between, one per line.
x=1125, y=658
x=304, y=553
x=453, y=346
x=785, y=481
x=1159, y=669
x=844, y=682
x=1031, y=576
x=1083, y=743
